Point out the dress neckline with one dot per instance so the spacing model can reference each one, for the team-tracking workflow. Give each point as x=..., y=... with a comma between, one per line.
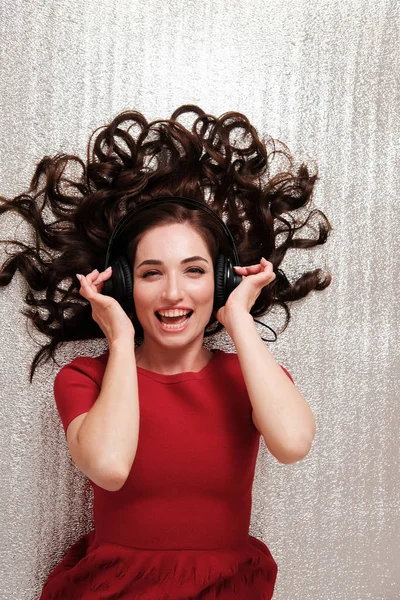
x=180, y=377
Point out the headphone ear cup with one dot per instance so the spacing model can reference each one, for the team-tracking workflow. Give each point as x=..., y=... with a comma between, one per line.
x=220, y=296
x=127, y=291
x=226, y=280
x=120, y=284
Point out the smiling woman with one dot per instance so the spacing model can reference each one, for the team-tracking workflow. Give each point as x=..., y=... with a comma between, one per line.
x=177, y=285
x=127, y=258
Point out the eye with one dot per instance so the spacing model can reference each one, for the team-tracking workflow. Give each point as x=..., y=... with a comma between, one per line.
x=192, y=269
x=148, y=273
x=196, y=269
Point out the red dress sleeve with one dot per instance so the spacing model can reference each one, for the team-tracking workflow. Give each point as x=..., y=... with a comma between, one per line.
x=76, y=389
x=287, y=373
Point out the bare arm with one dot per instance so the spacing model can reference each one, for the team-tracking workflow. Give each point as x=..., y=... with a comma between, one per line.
x=108, y=437
x=285, y=420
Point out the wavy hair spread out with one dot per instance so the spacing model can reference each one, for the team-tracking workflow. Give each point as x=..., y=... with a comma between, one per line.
x=220, y=161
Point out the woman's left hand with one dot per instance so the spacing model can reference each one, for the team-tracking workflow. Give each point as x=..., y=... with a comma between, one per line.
x=243, y=297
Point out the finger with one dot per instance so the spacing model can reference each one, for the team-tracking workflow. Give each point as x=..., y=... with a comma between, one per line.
x=97, y=279
x=252, y=269
x=81, y=279
x=86, y=291
x=91, y=283
x=103, y=276
x=90, y=277
x=98, y=284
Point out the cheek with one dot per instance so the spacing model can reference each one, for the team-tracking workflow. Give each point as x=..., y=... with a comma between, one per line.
x=143, y=297
x=204, y=294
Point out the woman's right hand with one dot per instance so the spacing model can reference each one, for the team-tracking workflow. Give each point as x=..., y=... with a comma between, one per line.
x=106, y=311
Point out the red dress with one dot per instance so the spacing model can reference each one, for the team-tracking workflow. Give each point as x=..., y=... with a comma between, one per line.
x=178, y=529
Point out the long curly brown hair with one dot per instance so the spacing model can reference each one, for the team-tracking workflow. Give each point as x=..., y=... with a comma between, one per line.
x=220, y=161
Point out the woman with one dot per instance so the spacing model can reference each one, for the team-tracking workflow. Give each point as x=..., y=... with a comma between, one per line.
x=168, y=431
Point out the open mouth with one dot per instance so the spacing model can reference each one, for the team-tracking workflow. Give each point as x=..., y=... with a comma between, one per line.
x=174, y=320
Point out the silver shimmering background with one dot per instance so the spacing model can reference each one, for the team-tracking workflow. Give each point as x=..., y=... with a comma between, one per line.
x=322, y=76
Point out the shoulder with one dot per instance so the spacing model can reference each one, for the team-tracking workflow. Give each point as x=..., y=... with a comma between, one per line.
x=77, y=386
x=232, y=364
x=227, y=357
x=228, y=364
x=80, y=368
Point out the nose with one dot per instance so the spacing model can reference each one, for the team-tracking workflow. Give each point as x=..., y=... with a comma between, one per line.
x=172, y=291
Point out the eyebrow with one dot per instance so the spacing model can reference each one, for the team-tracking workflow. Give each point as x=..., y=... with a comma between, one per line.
x=153, y=261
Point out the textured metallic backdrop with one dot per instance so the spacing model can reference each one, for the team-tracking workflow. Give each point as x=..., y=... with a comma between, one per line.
x=323, y=76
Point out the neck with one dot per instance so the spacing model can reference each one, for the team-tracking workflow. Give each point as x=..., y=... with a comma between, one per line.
x=170, y=362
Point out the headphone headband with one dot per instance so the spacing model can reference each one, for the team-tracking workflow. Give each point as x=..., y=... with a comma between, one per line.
x=189, y=202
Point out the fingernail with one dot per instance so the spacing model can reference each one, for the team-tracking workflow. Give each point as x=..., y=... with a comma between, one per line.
x=79, y=276
x=108, y=269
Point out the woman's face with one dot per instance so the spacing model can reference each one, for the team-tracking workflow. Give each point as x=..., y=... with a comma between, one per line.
x=168, y=282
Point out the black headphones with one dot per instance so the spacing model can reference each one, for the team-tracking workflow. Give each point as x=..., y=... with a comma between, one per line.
x=120, y=284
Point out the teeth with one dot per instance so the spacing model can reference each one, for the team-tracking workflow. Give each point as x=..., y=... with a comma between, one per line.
x=173, y=313
x=174, y=325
